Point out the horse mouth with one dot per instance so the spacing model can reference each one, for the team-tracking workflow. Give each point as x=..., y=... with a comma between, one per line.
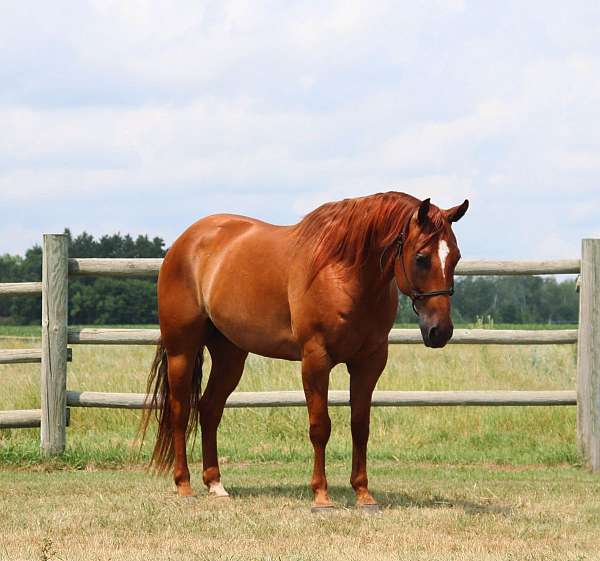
x=435, y=344
x=435, y=337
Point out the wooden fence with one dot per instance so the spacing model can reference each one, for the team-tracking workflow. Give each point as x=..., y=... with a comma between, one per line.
x=56, y=336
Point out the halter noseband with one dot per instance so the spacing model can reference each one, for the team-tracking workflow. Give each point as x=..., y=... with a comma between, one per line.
x=414, y=293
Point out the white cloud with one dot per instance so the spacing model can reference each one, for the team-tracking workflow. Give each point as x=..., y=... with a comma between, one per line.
x=271, y=109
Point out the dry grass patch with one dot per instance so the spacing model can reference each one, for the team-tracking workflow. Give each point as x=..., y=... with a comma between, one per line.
x=430, y=512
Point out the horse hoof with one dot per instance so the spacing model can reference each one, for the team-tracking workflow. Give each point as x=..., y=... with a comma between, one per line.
x=216, y=490
x=214, y=496
x=319, y=509
x=370, y=508
x=186, y=492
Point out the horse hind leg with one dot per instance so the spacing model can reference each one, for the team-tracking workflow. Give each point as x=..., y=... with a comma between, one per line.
x=227, y=367
x=184, y=380
x=183, y=347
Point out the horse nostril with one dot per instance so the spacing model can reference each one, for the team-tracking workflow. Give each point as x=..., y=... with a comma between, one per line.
x=432, y=332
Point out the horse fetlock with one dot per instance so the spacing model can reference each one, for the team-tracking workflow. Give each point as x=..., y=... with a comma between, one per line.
x=359, y=482
x=211, y=475
x=181, y=477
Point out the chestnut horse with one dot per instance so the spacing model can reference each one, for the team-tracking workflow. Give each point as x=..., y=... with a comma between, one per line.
x=323, y=292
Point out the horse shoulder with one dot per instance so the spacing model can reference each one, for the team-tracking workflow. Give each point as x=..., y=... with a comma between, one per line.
x=337, y=306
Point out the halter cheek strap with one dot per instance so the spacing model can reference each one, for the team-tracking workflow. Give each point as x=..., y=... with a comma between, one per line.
x=414, y=294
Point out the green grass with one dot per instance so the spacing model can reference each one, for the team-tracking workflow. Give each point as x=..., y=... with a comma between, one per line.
x=31, y=331
x=460, y=435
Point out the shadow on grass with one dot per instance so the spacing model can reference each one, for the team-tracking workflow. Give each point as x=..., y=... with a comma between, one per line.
x=344, y=497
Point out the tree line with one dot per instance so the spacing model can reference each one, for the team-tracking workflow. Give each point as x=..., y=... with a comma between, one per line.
x=105, y=300
x=519, y=299
x=100, y=301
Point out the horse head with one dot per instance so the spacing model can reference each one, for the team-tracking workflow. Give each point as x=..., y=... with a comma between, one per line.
x=424, y=270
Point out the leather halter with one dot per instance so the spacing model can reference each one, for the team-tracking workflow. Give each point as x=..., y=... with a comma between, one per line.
x=414, y=293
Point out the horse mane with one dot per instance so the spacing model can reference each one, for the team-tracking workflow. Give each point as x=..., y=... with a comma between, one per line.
x=347, y=231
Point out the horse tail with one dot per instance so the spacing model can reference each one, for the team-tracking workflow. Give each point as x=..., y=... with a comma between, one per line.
x=157, y=405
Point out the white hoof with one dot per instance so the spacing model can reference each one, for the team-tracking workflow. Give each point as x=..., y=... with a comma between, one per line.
x=217, y=490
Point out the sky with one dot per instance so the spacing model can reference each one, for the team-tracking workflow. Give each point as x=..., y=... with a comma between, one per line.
x=142, y=116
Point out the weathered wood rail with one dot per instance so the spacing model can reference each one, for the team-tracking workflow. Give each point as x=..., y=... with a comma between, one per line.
x=107, y=336
x=342, y=397
x=150, y=267
x=56, y=335
x=24, y=356
x=17, y=288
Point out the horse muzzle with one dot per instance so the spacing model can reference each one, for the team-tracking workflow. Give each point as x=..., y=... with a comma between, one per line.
x=435, y=334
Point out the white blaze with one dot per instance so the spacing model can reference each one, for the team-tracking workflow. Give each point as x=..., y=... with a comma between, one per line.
x=443, y=251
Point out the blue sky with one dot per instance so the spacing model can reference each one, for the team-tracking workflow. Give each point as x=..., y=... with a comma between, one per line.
x=142, y=117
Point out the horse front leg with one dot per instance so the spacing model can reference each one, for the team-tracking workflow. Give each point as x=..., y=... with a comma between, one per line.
x=316, y=365
x=364, y=373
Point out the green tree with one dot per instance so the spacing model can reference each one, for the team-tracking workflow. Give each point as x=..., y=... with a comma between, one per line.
x=91, y=300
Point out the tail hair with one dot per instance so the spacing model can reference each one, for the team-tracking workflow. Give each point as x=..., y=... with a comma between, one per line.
x=157, y=406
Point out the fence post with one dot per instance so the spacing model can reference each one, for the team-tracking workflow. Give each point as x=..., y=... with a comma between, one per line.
x=53, y=380
x=588, y=355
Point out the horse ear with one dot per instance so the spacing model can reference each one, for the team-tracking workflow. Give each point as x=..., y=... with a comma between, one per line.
x=455, y=213
x=423, y=211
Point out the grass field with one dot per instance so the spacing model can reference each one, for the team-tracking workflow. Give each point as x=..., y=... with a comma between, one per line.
x=510, y=435
x=457, y=483
x=431, y=512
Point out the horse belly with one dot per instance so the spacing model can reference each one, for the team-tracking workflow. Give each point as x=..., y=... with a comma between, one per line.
x=274, y=341
x=253, y=313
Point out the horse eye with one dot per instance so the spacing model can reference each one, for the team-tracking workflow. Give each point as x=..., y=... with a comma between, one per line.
x=422, y=260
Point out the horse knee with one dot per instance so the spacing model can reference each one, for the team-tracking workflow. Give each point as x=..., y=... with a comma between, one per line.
x=320, y=431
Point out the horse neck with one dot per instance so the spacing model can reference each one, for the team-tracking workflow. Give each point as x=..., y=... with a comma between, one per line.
x=370, y=281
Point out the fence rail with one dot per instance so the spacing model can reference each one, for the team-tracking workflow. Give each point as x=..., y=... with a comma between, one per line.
x=342, y=398
x=24, y=356
x=53, y=417
x=20, y=419
x=115, y=267
x=150, y=267
x=555, y=267
x=25, y=419
x=17, y=288
x=492, y=336
x=108, y=336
